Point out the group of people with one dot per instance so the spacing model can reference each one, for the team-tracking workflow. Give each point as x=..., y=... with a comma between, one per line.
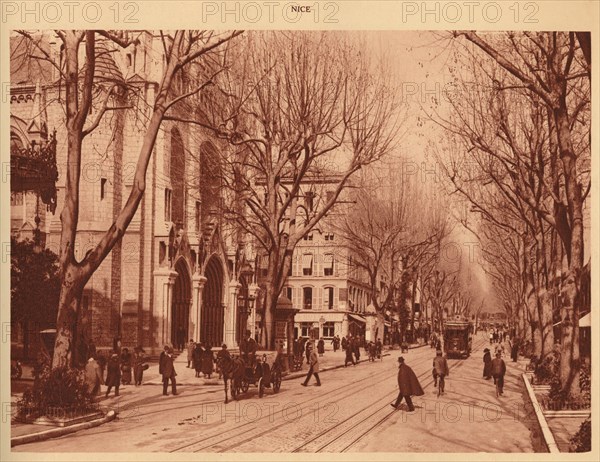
x=200, y=357
x=497, y=335
x=121, y=367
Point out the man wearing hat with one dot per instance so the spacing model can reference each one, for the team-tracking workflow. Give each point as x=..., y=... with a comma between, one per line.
x=498, y=371
x=487, y=364
x=440, y=369
x=408, y=385
x=167, y=369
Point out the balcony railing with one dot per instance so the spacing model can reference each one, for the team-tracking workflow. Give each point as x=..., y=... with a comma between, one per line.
x=33, y=168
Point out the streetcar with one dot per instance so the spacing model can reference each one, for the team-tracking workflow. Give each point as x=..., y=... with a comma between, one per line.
x=458, y=337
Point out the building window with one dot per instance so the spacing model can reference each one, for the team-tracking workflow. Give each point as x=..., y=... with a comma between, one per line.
x=330, y=195
x=328, y=264
x=102, y=188
x=168, y=195
x=307, y=264
x=288, y=291
x=305, y=328
x=329, y=297
x=307, y=298
x=308, y=237
x=329, y=236
x=309, y=200
x=328, y=329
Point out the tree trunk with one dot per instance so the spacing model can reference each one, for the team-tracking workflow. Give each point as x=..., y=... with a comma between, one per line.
x=68, y=314
x=569, y=362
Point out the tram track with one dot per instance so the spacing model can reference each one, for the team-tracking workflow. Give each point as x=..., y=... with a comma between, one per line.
x=345, y=430
x=207, y=443
x=332, y=439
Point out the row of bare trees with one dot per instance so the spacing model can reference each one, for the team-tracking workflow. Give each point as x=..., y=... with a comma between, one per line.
x=518, y=149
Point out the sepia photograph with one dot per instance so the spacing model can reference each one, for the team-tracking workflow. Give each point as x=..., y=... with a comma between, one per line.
x=289, y=239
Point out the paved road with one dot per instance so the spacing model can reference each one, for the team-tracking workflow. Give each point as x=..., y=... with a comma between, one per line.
x=349, y=412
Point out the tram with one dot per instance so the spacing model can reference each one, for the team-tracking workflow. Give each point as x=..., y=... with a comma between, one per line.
x=458, y=338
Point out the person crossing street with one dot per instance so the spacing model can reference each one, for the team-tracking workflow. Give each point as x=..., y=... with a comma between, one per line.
x=440, y=370
x=408, y=385
x=314, y=367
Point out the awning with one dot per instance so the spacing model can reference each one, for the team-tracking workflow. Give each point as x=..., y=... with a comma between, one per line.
x=584, y=321
x=357, y=317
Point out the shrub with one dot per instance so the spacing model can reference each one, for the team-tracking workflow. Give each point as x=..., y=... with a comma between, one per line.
x=545, y=370
x=582, y=440
x=62, y=389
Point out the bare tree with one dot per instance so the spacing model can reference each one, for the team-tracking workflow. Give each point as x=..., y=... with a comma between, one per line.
x=299, y=109
x=84, y=92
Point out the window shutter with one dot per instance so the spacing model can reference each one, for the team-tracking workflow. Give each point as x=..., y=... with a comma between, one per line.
x=336, y=297
x=319, y=298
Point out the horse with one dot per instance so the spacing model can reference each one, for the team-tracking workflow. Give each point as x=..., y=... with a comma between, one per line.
x=233, y=370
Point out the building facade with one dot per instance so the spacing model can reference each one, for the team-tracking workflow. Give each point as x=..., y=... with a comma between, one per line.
x=177, y=268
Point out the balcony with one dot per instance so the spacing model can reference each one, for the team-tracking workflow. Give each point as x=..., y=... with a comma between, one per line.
x=33, y=168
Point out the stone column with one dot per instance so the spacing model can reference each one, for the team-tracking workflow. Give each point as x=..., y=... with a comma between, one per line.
x=198, y=282
x=230, y=315
x=344, y=332
x=164, y=279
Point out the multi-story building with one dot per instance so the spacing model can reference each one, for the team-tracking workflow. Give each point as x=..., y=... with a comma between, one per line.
x=177, y=266
x=332, y=293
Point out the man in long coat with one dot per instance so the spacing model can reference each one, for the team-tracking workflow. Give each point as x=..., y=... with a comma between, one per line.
x=113, y=374
x=408, y=385
x=498, y=371
x=487, y=364
x=167, y=369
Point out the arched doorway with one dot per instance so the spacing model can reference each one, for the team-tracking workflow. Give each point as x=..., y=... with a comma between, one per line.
x=180, y=307
x=212, y=317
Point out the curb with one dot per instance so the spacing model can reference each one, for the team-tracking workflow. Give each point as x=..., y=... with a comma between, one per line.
x=56, y=432
x=546, y=433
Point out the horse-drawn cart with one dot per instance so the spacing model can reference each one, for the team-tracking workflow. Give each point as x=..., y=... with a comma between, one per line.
x=243, y=373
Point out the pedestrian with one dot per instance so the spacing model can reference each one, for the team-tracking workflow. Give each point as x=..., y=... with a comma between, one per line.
x=167, y=369
x=180, y=338
x=93, y=376
x=113, y=374
x=349, y=353
x=356, y=348
x=139, y=365
x=379, y=348
x=208, y=362
x=408, y=385
x=491, y=336
x=313, y=361
x=190, y=352
x=514, y=349
x=197, y=358
x=487, y=364
x=321, y=347
x=125, y=367
x=440, y=370
x=499, y=349
x=498, y=372
x=344, y=343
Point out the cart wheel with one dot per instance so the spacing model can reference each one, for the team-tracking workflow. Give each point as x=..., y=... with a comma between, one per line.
x=277, y=382
x=261, y=388
x=245, y=385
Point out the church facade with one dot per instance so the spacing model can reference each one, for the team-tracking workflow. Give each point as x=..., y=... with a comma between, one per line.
x=178, y=267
